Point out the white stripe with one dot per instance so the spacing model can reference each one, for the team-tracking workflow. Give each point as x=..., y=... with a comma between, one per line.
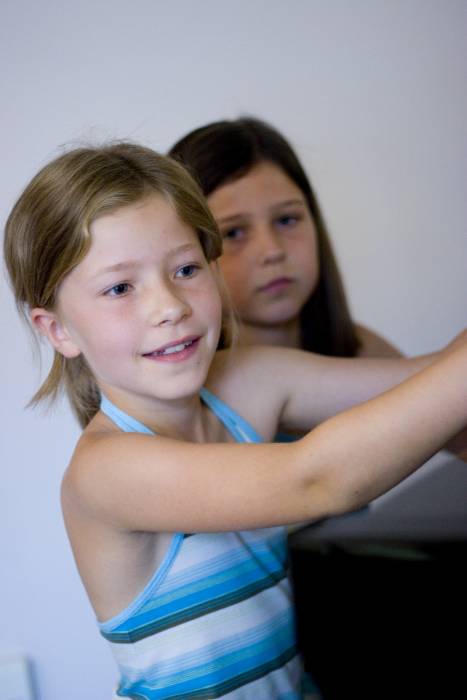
x=273, y=686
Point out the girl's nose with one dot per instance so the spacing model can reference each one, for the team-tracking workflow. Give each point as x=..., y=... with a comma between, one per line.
x=167, y=306
x=271, y=249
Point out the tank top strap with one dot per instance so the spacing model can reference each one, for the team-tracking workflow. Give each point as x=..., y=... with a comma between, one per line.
x=239, y=428
x=121, y=419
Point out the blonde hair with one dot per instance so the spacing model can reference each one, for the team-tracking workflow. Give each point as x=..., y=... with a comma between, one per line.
x=47, y=235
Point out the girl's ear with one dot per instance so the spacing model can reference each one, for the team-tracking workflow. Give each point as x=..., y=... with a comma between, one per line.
x=49, y=325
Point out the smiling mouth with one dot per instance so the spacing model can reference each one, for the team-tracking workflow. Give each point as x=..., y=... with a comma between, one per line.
x=174, y=348
x=177, y=349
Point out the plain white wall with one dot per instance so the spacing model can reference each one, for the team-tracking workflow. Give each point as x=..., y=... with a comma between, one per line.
x=371, y=93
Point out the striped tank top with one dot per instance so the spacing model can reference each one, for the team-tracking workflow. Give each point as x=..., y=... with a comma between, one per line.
x=216, y=618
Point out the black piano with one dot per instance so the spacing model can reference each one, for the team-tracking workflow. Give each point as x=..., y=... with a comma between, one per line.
x=381, y=594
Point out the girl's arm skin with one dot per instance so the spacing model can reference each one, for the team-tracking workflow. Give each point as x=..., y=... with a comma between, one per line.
x=374, y=345
x=136, y=483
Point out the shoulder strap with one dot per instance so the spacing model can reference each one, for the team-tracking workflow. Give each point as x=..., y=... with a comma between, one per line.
x=121, y=419
x=241, y=430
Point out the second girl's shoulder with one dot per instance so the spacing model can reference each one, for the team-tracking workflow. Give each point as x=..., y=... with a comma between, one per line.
x=244, y=369
x=374, y=345
x=246, y=379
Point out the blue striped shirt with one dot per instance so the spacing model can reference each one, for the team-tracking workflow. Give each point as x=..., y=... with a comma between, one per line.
x=216, y=618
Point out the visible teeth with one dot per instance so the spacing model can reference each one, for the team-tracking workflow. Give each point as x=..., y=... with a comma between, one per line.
x=175, y=348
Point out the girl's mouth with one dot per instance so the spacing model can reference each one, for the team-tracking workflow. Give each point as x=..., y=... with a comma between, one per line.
x=175, y=352
x=276, y=285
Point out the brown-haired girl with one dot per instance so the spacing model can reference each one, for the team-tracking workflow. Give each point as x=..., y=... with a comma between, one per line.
x=277, y=258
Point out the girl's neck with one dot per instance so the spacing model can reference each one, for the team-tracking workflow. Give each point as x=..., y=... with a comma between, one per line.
x=285, y=335
x=188, y=420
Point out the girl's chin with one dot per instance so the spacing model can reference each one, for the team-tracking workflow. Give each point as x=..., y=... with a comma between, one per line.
x=284, y=317
x=281, y=332
x=282, y=312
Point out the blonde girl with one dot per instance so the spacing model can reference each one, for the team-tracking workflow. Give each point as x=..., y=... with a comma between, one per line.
x=174, y=499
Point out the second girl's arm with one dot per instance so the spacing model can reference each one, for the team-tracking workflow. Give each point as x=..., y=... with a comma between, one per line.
x=317, y=387
x=301, y=389
x=143, y=483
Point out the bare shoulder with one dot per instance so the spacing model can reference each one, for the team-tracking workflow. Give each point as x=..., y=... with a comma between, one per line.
x=374, y=345
x=101, y=466
x=237, y=365
x=88, y=471
x=248, y=379
x=123, y=481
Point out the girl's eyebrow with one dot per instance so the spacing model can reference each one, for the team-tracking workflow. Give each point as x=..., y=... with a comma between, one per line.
x=118, y=267
x=231, y=218
x=274, y=207
x=289, y=203
x=133, y=264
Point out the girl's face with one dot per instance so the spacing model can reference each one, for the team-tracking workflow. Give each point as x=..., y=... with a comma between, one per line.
x=270, y=259
x=143, y=305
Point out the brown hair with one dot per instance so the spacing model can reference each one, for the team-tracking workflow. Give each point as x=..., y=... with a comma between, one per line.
x=47, y=235
x=224, y=151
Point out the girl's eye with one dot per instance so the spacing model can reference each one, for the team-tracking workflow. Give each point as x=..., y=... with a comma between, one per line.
x=118, y=290
x=234, y=234
x=187, y=271
x=287, y=220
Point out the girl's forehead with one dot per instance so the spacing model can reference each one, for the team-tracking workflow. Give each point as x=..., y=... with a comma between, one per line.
x=154, y=218
x=147, y=230
x=265, y=183
x=154, y=207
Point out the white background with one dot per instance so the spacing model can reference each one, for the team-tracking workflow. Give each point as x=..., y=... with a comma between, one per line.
x=372, y=93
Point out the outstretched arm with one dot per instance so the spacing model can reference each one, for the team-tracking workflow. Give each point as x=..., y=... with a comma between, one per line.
x=388, y=437
x=142, y=483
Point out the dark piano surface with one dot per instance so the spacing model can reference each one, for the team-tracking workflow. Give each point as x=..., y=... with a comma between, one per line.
x=381, y=594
